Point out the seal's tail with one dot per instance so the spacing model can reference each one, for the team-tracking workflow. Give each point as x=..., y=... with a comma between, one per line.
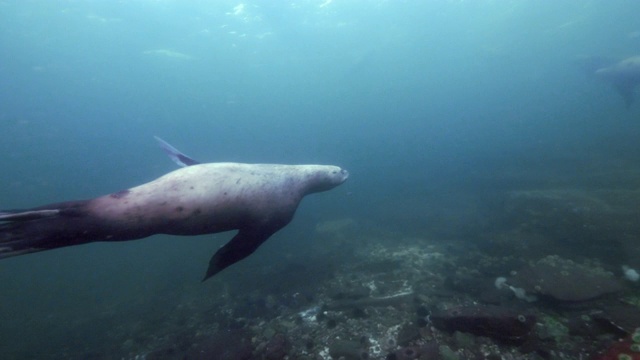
x=44, y=228
x=17, y=235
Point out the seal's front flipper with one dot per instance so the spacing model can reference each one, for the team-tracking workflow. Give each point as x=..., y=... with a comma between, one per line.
x=175, y=154
x=242, y=245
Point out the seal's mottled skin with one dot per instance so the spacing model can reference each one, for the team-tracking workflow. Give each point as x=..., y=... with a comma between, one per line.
x=256, y=199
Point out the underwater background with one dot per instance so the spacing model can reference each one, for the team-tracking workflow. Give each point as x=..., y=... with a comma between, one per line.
x=464, y=125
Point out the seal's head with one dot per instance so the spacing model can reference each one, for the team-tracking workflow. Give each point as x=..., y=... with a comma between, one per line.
x=324, y=177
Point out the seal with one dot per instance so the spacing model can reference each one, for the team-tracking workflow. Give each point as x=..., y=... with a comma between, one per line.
x=255, y=199
x=624, y=76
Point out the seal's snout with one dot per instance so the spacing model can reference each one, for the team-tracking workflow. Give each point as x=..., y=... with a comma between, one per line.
x=341, y=174
x=325, y=177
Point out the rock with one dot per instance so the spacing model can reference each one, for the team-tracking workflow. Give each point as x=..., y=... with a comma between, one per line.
x=350, y=350
x=496, y=322
x=408, y=333
x=577, y=221
x=626, y=349
x=427, y=351
x=564, y=280
x=277, y=348
x=447, y=354
x=463, y=340
x=619, y=317
x=408, y=353
x=224, y=345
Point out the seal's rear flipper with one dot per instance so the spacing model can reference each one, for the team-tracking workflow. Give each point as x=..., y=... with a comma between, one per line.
x=175, y=154
x=16, y=237
x=38, y=229
x=242, y=245
x=27, y=215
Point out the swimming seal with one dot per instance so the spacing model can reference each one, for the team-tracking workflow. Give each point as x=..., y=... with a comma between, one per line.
x=255, y=199
x=624, y=76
